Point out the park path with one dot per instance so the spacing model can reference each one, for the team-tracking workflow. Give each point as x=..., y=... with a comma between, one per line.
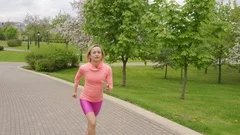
x=36, y=104
x=13, y=49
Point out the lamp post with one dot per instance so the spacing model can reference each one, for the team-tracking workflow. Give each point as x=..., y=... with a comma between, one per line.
x=38, y=34
x=28, y=41
x=81, y=56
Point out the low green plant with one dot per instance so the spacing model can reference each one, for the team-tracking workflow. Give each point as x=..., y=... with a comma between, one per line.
x=45, y=65
x=32, y=57
x=14, y=43
x=52, y=59
x=1, y=48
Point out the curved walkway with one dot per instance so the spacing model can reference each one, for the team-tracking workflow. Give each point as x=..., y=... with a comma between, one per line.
x=15, y=50
x=36, y=104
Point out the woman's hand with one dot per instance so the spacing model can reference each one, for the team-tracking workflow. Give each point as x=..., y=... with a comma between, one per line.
x=74, y=95
x=105, y=86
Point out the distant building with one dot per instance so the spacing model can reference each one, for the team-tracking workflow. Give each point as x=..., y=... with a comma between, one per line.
x=2, y=24
x=19, y=25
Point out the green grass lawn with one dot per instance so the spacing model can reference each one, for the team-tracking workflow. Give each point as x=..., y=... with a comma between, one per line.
x=209, y=108
x=11, y=56
x=33, y=46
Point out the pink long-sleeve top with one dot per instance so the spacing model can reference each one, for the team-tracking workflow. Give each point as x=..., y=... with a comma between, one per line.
x=93, y=89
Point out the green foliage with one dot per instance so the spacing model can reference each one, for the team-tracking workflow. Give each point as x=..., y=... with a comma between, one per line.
x=52, y=59
x=2, y=37
x=14, y=43
x=11, y=32
x=220, y=32
x=59, y=19
x=235, y=20
x=179, y=28
x=1, y=48
x=32, y=57
x=36, y=24
x=45, y=65
x=116, y=25
x=195, y=14
x=164, y=58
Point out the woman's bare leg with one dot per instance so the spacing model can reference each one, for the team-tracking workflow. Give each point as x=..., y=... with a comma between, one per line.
x=91, y=129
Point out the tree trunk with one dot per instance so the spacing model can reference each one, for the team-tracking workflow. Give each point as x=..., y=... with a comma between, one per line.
x=206, y=69
x=48, y=37
x=35, y=35
x=220, y=71
x=124, y=71
x=166, y=68
x=66, y=41
x=220, y=65
x=185, y=78
x=81, y=55
x=35, y=40
x=181, y=75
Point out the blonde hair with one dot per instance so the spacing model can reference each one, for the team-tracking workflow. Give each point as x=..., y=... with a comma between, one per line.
x=90, y=49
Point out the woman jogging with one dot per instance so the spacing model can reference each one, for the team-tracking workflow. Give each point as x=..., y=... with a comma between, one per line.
x=98, y=77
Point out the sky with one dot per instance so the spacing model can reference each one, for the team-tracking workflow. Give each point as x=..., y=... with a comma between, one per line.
x=16, y=10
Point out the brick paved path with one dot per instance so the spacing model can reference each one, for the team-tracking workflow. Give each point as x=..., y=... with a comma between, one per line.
x=32, y=104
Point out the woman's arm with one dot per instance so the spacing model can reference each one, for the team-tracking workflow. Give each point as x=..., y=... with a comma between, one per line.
x=78, y=76
x=109, y=80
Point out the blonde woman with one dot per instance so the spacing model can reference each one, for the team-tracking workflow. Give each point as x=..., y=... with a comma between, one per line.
x=98, y=77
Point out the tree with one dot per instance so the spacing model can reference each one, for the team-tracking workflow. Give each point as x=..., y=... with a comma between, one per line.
x=235, y=21
x=57, y=23
x=181, y=30
x=162, y=18
x=33, y=22
x=191, y=48
x=164, y=59
x=220, y=36
x=116, y=24
x=70, y=28
x=60, y=19
x=44, y=28
x=2, y=37
x=234, y=56
x=11, y=32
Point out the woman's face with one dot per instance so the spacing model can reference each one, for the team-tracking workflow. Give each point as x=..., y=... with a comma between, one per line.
x=96, y=54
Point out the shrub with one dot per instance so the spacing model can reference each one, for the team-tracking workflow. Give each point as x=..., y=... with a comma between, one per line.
x=32, y=57
x=52, y=59
x=14, y=42
x=45, y=65
x=1, y=48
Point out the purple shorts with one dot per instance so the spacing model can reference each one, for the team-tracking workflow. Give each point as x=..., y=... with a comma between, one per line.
x=88, y=106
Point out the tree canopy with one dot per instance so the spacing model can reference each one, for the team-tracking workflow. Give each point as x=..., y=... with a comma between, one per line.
x=116, y=25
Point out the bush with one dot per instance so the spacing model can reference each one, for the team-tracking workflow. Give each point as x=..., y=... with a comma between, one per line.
x=45, y=65
x=14, y=43
x=1, y=48
x=52, y=59
x=32, y=57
